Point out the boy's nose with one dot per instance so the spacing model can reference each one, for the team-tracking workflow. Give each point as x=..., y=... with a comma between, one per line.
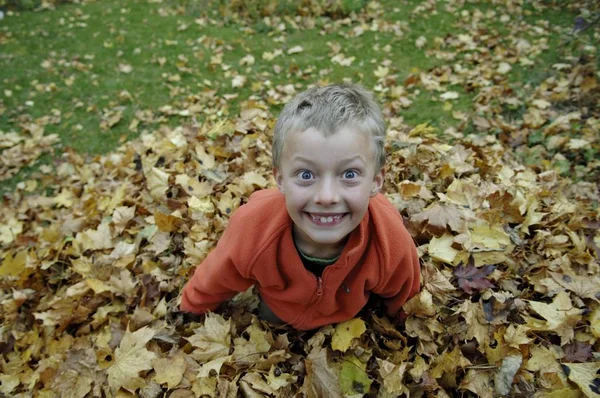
x=327, y=193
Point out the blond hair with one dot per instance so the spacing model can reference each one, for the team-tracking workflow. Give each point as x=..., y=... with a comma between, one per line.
x=327, y=109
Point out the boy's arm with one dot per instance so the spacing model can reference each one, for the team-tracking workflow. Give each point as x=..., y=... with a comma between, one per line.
x=216, y=279
x=401, y=282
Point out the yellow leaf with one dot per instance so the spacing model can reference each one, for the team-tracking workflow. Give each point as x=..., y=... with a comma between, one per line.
x=254, y=178
x=478, y=382
x=585, y=375
x=381, y=71
x=9, y=230
x=204, y=386
x=420, y=305
x=121, y=216
x=157, y=182
x=441, y=249
x=422, y=130
x=97, y=285
x=13, y=265
x=564, y=393
x=504, y=68
x=9, y=383
x=204, y=205
x=166, y=222
x=516, y=335
x=595, y=323
x=295, y=50
x=280, y=381
x=95, y=239
x=214, y=365
x=257, y=343
x=193, y=187
x=561, y=317
x=131, y=357
x=393, y=376
x=490, y=237
x=475, y=318
x=169, y=370
x=345, y=332
x=213, y=339
x=543, y=358
x=64, y=198
x=448, y=362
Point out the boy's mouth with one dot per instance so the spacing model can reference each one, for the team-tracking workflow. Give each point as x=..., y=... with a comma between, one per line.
x=326, y=218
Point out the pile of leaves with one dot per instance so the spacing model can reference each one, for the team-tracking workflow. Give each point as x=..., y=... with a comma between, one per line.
x=92, y=270
x=503, y=208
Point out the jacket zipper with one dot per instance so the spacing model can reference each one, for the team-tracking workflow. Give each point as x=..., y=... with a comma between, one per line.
x=319, y=286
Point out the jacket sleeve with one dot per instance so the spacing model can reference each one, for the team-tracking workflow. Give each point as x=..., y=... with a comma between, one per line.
x=401, y=282
x=217, y=278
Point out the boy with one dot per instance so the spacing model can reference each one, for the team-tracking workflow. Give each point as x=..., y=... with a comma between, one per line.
x=325, y=239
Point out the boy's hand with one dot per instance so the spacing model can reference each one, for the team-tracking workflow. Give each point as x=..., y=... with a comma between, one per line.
x=178, y=318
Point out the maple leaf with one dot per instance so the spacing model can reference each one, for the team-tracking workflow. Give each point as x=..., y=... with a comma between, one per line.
x=578, y=352
x=560, y=317
x=475, y=318
x=276, y=379
x=258, y=343
x=478, y=382
x=321, y=379
x=585, y=375
x=393, y=376
x=346, y=332
x=595, y=322
x=583, y=286
x=441, y=249
x=515, y=335
x=214, y=366
x=420, y=305
x=169, y=370
x=131, y=357
x=353, y=377
x=212, y=339
x=438, y=216
x=448, y=363
x=471, y=278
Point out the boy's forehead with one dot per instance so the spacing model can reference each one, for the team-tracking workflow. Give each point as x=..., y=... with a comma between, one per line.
x=309, y=138
x=339, y=132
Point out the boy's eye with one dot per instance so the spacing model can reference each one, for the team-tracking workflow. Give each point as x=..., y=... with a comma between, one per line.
x=350, y=174
x=306, y=175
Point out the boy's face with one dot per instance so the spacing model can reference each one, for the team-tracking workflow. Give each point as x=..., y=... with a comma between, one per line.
x=327, y=183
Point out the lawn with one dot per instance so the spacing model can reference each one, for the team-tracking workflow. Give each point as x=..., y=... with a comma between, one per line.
x=101, y=73
x=130, y=131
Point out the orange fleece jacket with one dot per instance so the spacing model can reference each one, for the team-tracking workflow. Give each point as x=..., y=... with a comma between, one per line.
x=257, y=248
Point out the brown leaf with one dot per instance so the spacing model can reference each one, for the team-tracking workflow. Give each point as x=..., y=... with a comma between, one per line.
x=471, y=278
x=578, y=352
x=440, y=216
x=321, y=379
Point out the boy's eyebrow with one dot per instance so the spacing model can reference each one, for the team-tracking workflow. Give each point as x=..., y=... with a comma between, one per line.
x=353, y=158
x=343, y=161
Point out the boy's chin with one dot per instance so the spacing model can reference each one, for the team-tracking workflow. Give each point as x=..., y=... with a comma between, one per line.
x=331, y=241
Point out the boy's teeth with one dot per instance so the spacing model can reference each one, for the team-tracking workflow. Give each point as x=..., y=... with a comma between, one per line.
x=326, y=219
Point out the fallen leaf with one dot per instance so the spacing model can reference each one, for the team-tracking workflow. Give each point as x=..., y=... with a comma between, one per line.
x=131, y=357
x=471, y=278
x=346, y=332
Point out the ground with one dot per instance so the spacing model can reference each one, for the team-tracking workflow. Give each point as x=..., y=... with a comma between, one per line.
x=131, y=131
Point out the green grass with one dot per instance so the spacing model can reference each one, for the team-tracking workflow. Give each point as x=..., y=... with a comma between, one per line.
x=90, y=41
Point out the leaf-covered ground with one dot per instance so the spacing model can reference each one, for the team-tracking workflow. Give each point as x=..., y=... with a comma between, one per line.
x=503, y=207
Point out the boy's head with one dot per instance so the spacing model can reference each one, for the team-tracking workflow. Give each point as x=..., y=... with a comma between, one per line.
x=327, y=109
x=328, y=159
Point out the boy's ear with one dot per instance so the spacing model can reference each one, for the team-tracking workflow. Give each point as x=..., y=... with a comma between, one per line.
x=377, y=183
x=278, y=179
